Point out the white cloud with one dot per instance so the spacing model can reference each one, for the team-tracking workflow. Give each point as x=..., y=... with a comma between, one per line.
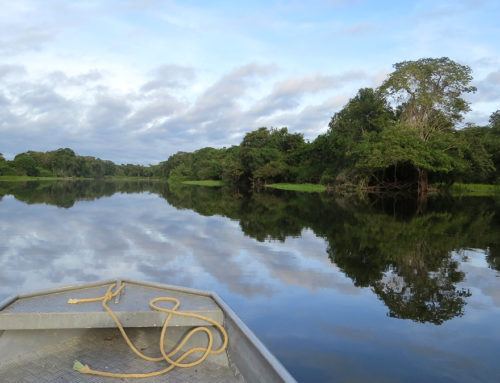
x=137, y=81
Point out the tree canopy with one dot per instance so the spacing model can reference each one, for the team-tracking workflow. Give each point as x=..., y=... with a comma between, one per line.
x=402, y=136
x=64, y=162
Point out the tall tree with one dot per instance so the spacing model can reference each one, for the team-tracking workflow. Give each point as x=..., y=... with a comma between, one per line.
x=427, y=95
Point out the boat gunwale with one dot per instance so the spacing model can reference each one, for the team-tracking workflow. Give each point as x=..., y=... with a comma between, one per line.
x=276, y=365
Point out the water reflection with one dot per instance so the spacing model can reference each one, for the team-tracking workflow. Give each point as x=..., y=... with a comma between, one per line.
x=405, y=255
x=334, y=277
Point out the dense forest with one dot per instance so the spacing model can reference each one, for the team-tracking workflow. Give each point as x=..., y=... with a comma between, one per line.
x=404, y=135
x=65, y=163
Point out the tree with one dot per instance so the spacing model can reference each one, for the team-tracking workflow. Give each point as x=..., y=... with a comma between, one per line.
x=365, y=113
x=269, y=154
x=495, y=120
x=492, y=144
x=477, y=146
x=6, y=168
x=427, y=95
x=26, y=164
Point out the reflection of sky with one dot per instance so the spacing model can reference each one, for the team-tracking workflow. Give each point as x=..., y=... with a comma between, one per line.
x=482, y=280
x=303, y=307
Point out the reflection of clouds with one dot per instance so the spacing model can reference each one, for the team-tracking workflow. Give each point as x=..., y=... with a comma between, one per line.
x=479, y=278
x=139, y=236
x=288, y=292
x=349, y=332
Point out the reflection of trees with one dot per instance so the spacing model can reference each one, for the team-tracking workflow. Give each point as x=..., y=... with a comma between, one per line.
x=261, y=215
x=407, y=259
x=493, y=248
x=493, y=257
x=409, y=263
x=66, y=193
x=423, y=295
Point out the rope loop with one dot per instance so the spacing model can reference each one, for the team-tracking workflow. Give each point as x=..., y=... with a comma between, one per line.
x=166, y=357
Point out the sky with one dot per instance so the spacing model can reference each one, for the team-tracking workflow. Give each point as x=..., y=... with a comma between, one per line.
x=139, y=80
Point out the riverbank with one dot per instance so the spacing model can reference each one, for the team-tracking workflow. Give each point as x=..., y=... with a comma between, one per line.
x=474, y=190
x=308, y=188
x=211, y=183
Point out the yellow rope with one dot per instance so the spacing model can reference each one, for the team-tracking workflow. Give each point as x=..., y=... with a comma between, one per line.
x=85, y=369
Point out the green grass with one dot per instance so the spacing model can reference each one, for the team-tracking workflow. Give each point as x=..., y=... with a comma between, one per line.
x=130, y=178
x=308, y=188
x=204, y=183
x=476, y=190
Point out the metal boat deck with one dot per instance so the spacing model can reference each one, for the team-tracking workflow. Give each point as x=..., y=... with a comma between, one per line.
x=41, y=335
x=50, y=310
x=54, y=351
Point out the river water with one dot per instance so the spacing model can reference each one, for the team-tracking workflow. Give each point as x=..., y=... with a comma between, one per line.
x=338, y=289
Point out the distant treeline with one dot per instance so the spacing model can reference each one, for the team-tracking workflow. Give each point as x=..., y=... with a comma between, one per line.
x=403, y=135
x=65, y=163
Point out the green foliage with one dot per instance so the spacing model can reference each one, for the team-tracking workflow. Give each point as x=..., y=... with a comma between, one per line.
x=371, y=146
x=400, y=136
x=491, y=143
x=232, y=168
x=65, y=193
x=495, y=120
x=7, y=168
x=272, y=155
x=212, y=183
x=264, y=155
x=477, y=190
x=309, y=188
x=427, y=93
x=65, y=163
x=367, y=113
x=26, y=164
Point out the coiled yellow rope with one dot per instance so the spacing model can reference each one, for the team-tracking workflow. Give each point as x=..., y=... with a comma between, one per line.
x=85, y=369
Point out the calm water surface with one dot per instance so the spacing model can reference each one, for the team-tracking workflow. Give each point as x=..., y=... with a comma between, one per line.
x=339, y=290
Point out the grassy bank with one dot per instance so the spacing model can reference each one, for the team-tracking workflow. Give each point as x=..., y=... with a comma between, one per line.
x=204, y=183
x=308, y=188
x=125, y=178
x=478, y=190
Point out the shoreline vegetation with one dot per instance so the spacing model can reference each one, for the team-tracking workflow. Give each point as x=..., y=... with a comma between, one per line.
x=455, y=190
x=210, y=183
x=406, y=136
x=474, y=190
x=307, y=188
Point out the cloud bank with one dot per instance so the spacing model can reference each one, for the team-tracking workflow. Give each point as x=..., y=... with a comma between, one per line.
x=136, y=81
